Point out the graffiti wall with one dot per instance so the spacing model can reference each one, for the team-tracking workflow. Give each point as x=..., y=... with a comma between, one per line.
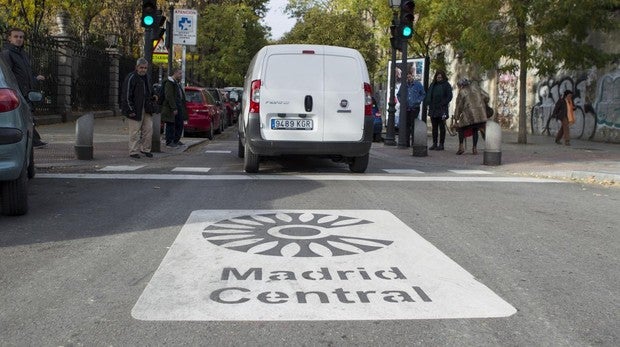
x=600, y=122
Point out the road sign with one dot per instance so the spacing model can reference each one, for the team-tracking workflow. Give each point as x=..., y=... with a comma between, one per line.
x=185, y=23
x=160, y=58
x=268, y=265
x=159, y=47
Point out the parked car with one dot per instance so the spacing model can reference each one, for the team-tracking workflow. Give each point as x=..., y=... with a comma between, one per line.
x=222, y=103
x=203, y=115
x=324, y=110
x=16, y=152
x=234, y=96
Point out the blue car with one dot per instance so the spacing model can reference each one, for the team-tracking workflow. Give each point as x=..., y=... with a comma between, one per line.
x=16, y=153
x=377, y=122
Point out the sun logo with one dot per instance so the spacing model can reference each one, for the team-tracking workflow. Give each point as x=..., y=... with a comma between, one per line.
x=292, y=235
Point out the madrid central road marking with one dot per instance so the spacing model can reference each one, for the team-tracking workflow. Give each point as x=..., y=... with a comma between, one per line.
x=278, y=265
x=297, y=177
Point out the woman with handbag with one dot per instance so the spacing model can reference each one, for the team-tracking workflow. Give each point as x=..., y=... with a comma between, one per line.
x=470, y=114
x=438, y=99
x=564, y=112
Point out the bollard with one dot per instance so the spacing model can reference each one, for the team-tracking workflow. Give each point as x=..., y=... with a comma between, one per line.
x=156, y=138
x=492, y=144
x=420, y=148
x=84, y=127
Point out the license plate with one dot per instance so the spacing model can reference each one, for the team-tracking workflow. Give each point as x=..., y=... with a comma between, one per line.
x=291, y=124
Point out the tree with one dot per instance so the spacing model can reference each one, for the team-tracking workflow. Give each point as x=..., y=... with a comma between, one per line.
x=529, y=34
x=319, y=26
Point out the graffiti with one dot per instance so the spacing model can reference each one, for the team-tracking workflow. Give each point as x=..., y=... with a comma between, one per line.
x=608, y=108
x=548, y=93
x=507, y=100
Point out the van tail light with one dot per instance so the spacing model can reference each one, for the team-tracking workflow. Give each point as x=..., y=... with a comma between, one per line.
x=8, y=100
x=367, y=100
x=255, y=96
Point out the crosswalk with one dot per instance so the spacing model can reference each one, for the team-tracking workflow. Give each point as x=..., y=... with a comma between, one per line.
x=193, y=173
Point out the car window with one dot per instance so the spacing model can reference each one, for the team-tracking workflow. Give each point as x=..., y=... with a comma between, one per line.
x=193, y=96
x=209, y=98
x=294, y=72
x=214, y=93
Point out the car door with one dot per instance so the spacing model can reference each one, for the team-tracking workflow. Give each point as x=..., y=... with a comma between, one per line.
x=344, y=98
x=291, y=100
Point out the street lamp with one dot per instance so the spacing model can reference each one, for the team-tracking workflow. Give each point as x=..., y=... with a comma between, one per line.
x=389, y=136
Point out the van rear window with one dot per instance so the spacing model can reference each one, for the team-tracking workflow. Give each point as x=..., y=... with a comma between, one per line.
x=294, y=72
x=342, y=74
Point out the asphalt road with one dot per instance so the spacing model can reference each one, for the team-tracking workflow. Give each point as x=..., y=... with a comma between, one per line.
x=137, y=259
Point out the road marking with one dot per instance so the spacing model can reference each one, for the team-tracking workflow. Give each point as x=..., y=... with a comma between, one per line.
x=403, y=171
x=218, y=152
x=287, y=177
x=279, y=265
x=122, y=168
x=471, y=172
x=191, y=169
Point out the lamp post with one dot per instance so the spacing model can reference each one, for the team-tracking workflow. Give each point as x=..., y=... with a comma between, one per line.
x=389, y=136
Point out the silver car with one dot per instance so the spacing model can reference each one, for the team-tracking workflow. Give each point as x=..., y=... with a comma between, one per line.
x=16, y=153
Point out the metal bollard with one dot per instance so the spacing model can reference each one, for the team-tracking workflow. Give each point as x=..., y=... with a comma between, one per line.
x=492, y=144
x=419, y=145
x=84, y=128
x=156, y=138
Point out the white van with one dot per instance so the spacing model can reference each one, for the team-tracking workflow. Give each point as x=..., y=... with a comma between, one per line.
x=309, y=100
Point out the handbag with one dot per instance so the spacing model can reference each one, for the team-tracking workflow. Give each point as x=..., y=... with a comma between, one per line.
x=490, y=111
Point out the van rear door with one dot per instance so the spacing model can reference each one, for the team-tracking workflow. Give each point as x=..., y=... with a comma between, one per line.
x=344, y=98
x=291, y=96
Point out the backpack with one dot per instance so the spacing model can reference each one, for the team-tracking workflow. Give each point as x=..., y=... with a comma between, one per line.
x=161, y=93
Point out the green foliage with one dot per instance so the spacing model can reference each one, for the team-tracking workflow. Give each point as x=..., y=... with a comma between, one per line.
x=336, y=29
x=228, y=37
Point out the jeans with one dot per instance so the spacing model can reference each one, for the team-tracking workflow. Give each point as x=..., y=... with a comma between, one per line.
x=439, y=126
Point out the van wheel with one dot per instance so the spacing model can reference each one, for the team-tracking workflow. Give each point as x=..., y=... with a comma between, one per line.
x=240, y=149
x=31, y=169
x=359, y=164
x=250, y=160
x=15, y=195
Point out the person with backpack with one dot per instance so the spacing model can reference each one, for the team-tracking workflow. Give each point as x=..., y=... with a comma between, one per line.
x=173, y=108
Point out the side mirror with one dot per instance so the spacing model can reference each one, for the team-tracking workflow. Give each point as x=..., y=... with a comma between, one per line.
x=35, y=96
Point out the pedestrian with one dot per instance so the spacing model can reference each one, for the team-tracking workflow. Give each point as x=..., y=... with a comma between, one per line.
x=564, y=112
x=173, y=109
x=137, y=105
x=19, y=62
x=438, y=100
x=470, y=113
x=415, y=96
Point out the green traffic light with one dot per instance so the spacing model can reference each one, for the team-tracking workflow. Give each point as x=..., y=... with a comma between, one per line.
x=148, y=20
x=407, y=32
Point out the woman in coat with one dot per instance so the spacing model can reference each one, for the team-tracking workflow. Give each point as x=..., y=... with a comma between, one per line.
x=438, y=99
x=470, y=114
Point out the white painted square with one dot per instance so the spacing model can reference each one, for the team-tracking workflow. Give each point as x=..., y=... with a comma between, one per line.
x=266, y=265
x=403, y=171
x=191, y=169
x=471, y=172
x=121, y=168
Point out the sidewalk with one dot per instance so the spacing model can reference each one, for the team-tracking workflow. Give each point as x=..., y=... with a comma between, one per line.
x=586, y=161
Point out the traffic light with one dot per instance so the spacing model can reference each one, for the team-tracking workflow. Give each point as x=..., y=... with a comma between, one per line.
x=395, y=35
x=160, y=24
x=406, y=19
x=149, y=14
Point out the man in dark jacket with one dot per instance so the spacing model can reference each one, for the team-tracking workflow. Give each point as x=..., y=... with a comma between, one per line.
x=137, y=106
x=173, y=108
x=19, y=62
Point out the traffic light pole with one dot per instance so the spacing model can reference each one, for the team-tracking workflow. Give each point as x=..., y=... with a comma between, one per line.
x=390, y=133
x=403, y=129
x=148, y=47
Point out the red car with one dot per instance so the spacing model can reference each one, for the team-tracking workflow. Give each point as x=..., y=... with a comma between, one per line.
x=202, y=112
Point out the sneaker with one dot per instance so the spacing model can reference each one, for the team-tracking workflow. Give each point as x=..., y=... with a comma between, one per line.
x=433, y=147
x=440, y=148
x=147, y=154
x=171, y=145
x=39, y=144
x=179, y=143
x=136, y=156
